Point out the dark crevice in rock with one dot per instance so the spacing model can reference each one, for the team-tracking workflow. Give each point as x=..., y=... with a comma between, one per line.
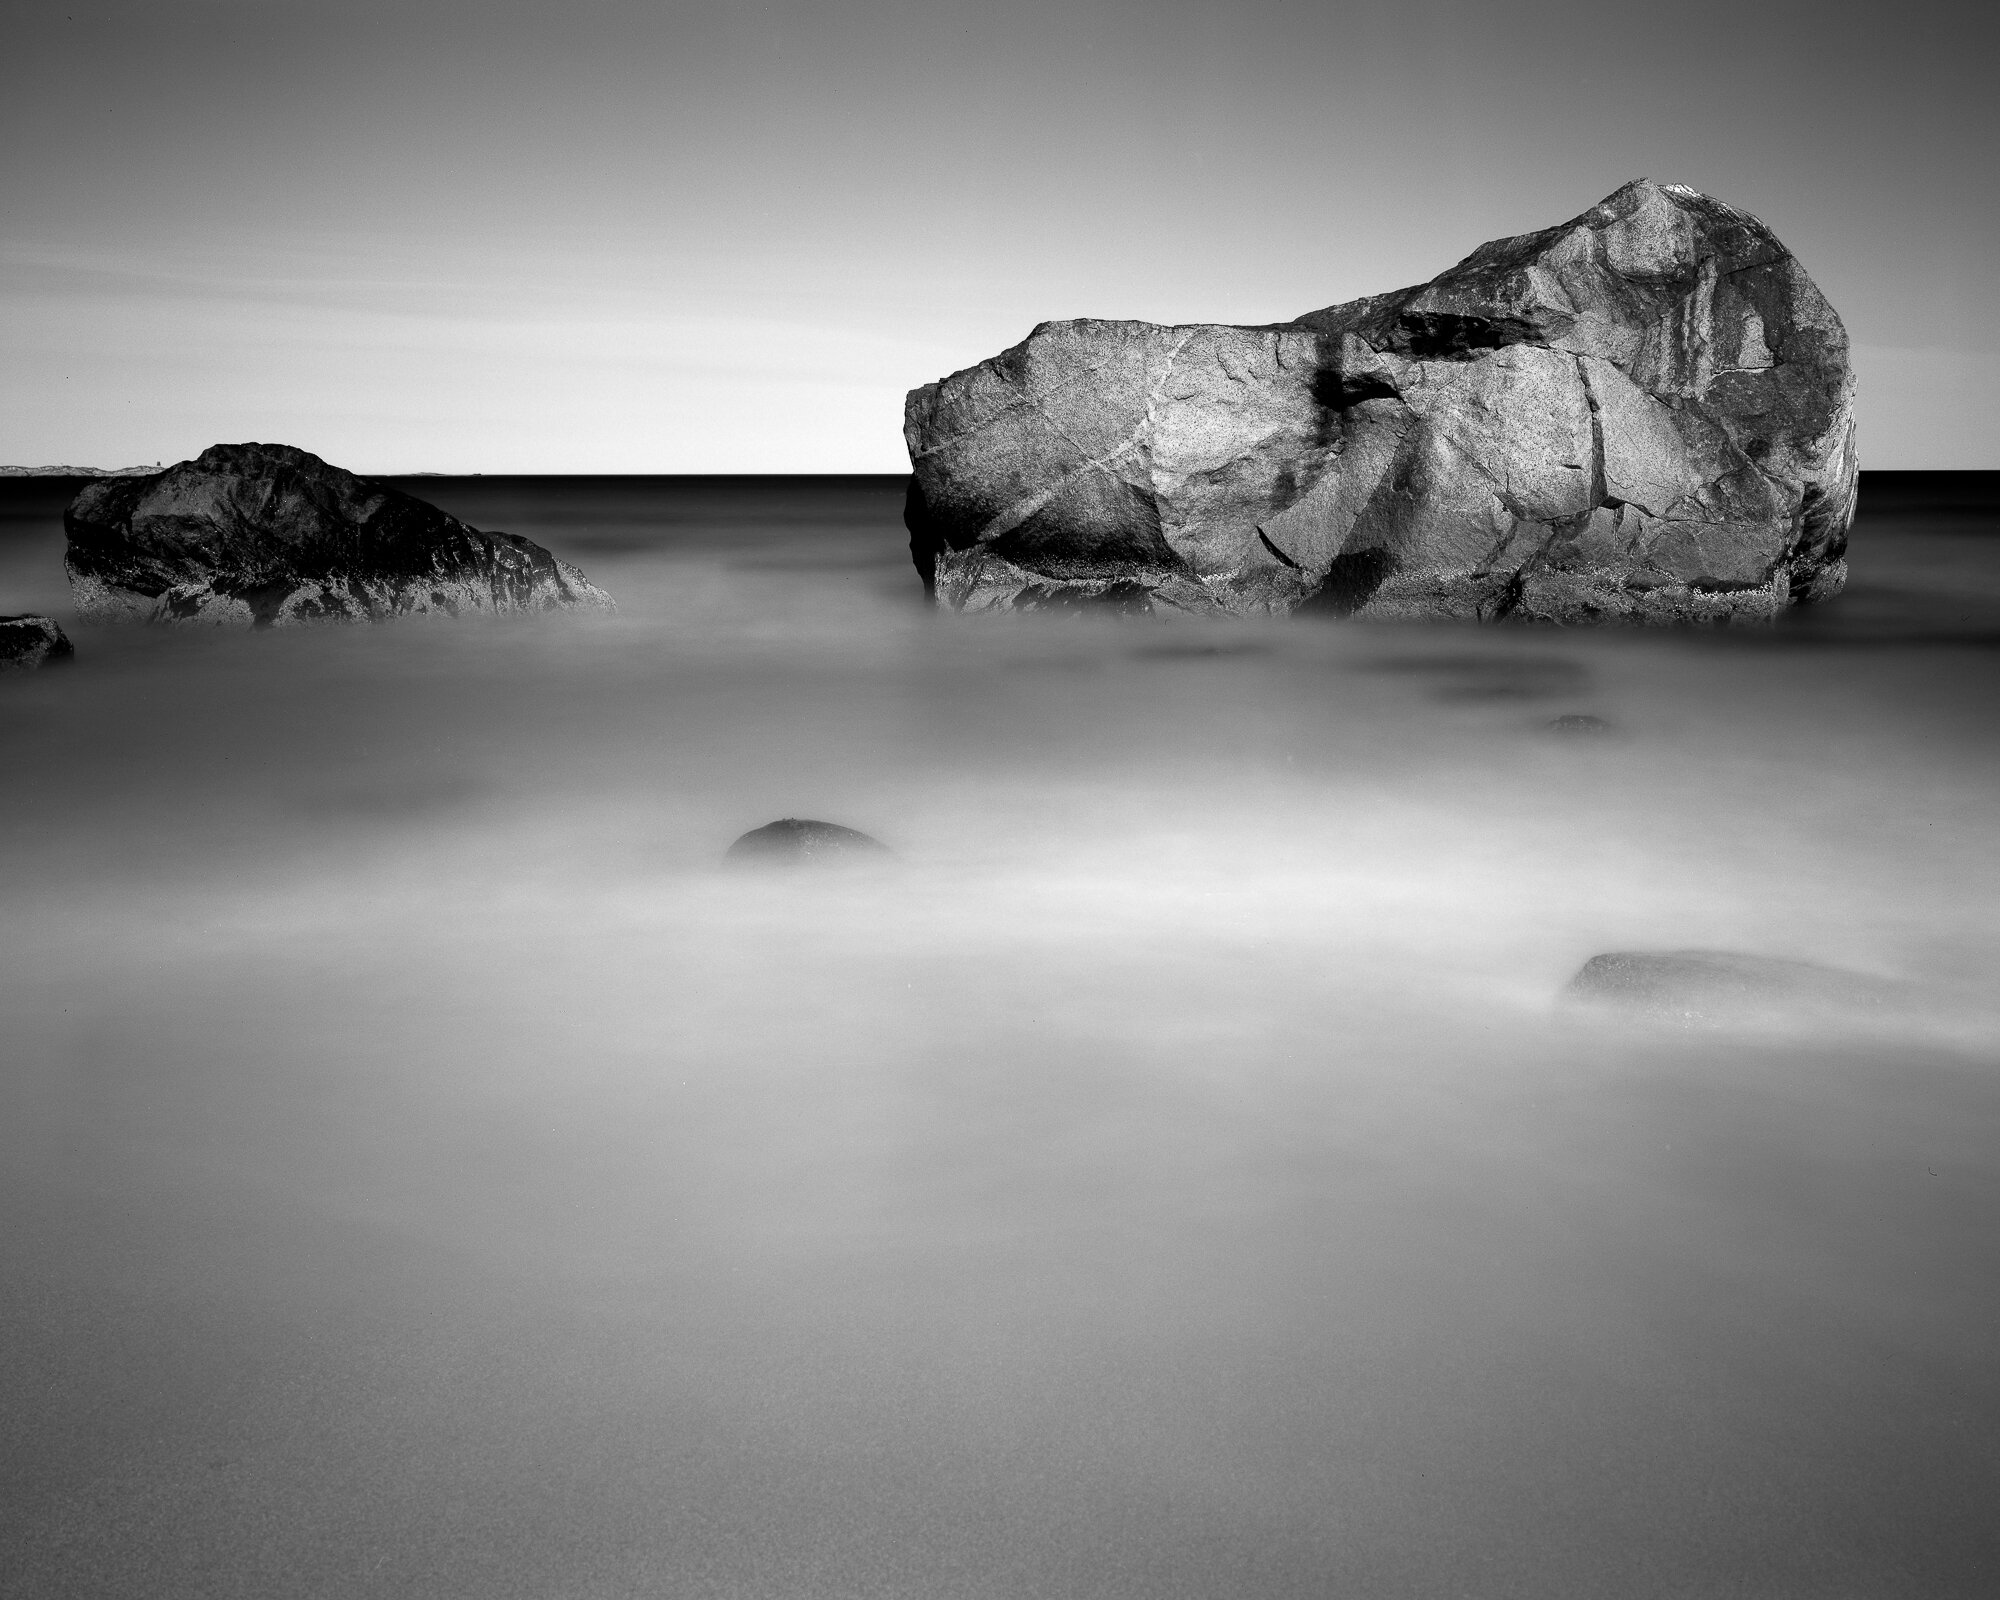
x=1351, y=579
x=1511, y=599
x=1288, y=561
x=1336, y=390
x=1449, y=336
x=1597, y=481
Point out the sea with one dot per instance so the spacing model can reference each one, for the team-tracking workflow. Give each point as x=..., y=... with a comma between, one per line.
x=428, y=1170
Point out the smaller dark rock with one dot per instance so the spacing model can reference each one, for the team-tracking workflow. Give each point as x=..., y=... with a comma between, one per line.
x=1724, y=988
x=791, y=841
x=1578, y=725
x=271, y=536
x=29, y=642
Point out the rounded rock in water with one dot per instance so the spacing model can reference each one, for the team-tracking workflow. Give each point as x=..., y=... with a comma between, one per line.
x=796, y=841
x=1578, y=725
x=1727, y=988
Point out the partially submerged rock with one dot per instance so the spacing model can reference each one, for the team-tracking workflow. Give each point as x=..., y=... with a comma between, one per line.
x=792, y=841
x=264, y=535
x=1726, y=988
x=1643, y=414
x=27, y=642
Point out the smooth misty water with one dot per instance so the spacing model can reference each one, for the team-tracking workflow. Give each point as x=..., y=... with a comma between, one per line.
x=425, y=1173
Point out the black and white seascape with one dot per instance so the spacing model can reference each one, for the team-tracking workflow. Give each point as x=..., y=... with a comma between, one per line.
x=1177, y=1169
x=785, y=846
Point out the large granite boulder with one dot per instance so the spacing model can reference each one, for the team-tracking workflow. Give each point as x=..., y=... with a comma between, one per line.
x=264, y=535
x=28, y=642
x=1643, y=414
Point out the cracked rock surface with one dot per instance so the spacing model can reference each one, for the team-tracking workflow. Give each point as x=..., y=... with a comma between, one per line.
x=265, y=535
x=1644, y=414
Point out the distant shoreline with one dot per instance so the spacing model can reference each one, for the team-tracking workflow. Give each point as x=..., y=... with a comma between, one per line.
x=161, y=466
x=82, y=472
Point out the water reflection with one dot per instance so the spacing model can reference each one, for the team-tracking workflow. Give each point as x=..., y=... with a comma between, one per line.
x=431, y=1173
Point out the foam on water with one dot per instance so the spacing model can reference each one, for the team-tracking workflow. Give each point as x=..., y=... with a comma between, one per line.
x=430, y=1173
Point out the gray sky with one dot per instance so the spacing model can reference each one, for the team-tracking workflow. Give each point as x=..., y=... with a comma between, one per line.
x=606, y=236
